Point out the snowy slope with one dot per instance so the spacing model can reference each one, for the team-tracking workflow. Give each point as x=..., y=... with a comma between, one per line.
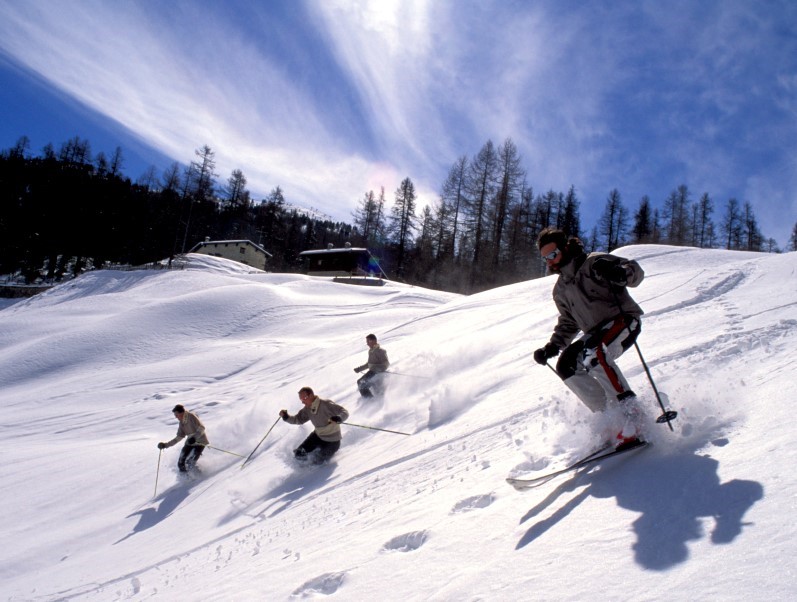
x=90, y=370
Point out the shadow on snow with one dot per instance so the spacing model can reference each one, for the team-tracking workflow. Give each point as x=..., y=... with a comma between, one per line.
x=671, y=493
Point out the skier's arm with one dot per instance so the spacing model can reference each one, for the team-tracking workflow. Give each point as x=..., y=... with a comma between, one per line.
x=565, y=330
x=617, y=270
x=635, y=272
x=178, y=437
x=301, y=417
x=338, y=410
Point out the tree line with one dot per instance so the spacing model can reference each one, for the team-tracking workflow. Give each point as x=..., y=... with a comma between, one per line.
x=65, y=211
x=481, y=231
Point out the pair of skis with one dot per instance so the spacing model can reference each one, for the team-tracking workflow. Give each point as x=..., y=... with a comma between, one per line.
x=596, y=456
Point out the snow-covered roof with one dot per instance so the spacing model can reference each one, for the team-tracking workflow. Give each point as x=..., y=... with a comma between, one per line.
x=229, y=242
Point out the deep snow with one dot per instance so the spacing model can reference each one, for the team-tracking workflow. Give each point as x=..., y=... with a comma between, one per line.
x=90, y=370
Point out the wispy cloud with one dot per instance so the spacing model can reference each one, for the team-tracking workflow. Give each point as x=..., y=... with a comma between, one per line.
x=331, y=99
x=196, y=83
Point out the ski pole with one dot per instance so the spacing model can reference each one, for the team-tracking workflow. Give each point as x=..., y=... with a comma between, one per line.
x=225, y=451
x=158, y=472
x=402, y=374
x=261, y=441
x=373, y=428
x=667, y=415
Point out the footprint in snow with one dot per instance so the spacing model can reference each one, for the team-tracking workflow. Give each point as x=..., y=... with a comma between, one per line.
x=474, y=502
x=407, y=542
x=530, y=465
x=325, y=584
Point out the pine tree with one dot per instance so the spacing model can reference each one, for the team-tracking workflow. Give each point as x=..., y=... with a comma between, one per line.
x=752, y=235
x=677, y=214
x=20, y=149
x=546, y=214
x=702, y=221
x=643, y=226
x=75, y=152
x=237, y=194
x=480, y=190
x=452, y=202
x=205, y=175
x=442, y=242
x=732, y=225
x=171, y=178
x=423, y=261
x=523, y=257
x=614, y=221
x=117, y=160
x=402, y=222
x=655, y=235
x=571, y=218
x=510, y=181
x=367, y=218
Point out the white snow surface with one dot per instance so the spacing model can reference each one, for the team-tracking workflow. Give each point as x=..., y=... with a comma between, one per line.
x=90, y=370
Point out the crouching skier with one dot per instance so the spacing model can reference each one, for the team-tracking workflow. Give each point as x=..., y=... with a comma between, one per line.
x=371, y=383
x=190, y=426
x=592, y=299
x=326, y=417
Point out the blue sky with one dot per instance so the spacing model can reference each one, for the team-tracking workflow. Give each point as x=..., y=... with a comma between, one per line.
x=329, y=99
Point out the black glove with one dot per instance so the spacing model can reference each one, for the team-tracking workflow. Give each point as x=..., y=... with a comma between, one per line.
x=610, y=271
x=284, y=414
x=541, y=355
x=359, y=369
x=191, y=440
x=336, y=419
x=161, y=445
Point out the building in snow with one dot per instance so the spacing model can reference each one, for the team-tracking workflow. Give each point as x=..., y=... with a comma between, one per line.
x=350, y=265
x=242, y=251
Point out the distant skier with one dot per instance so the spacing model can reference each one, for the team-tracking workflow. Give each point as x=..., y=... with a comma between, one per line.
x=371, y=382
x=326, y=416
x=190, y=426
x=592, y=298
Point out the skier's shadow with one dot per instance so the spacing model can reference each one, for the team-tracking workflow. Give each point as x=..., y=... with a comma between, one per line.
x=306, y=480
x=672, y=494
x=149, y=517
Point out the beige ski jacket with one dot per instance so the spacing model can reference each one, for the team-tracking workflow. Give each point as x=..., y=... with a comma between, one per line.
x=377, y=360
x=318, y=413
x=190, y=426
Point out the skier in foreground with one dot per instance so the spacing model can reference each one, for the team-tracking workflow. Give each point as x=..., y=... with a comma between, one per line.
x=326, y=417
x=371, y=382
x=592, y=298
x=190, y=426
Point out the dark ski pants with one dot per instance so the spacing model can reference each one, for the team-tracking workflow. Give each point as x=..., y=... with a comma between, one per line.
x=188, y=456
x=326, y=449
x=587, y=366
x=370, y=383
